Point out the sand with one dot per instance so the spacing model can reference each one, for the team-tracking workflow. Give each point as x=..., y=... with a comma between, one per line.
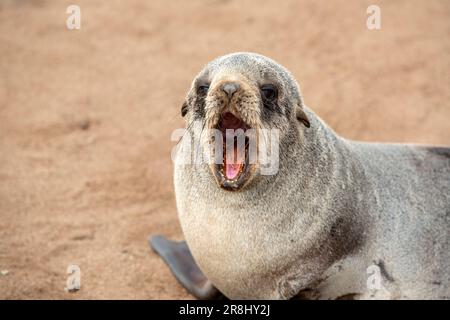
x=86, y=117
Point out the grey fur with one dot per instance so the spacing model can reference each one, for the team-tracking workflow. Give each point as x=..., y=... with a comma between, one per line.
x=335, y=207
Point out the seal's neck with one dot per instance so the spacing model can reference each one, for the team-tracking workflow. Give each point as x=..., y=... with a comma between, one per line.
x=331, y=194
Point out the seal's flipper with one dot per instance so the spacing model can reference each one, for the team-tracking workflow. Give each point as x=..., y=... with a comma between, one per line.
x=180, y=261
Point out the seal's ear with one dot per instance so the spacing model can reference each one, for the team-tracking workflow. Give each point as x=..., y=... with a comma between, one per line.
x=301, y=116
x=184, y=109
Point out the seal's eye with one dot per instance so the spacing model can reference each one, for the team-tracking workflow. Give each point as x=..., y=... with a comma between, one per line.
x=269, y=92
x=202, y=89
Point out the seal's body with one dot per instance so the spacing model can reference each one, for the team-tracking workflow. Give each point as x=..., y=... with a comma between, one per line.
x=338, y=219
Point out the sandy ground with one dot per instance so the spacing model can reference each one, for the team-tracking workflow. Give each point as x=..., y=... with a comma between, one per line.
x=86, y=117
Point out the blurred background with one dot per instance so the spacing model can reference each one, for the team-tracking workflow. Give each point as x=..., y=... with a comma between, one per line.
x=86, y=117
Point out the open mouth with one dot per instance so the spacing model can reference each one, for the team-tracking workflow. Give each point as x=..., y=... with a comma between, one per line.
x=233, y=172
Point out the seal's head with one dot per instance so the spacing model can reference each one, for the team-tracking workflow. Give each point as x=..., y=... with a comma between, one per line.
x=241, y=96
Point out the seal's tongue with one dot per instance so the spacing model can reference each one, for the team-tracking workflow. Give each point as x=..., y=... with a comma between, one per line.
x=232, y=169
x=232, y=162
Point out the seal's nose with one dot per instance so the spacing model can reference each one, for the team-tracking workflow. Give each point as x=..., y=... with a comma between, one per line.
x=230, y=88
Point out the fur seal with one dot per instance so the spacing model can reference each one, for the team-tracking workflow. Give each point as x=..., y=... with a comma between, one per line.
x=335, y=216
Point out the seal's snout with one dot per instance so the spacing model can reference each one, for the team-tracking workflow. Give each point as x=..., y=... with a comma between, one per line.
x=233, y=111
x=235, y=95
x=230, y=88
